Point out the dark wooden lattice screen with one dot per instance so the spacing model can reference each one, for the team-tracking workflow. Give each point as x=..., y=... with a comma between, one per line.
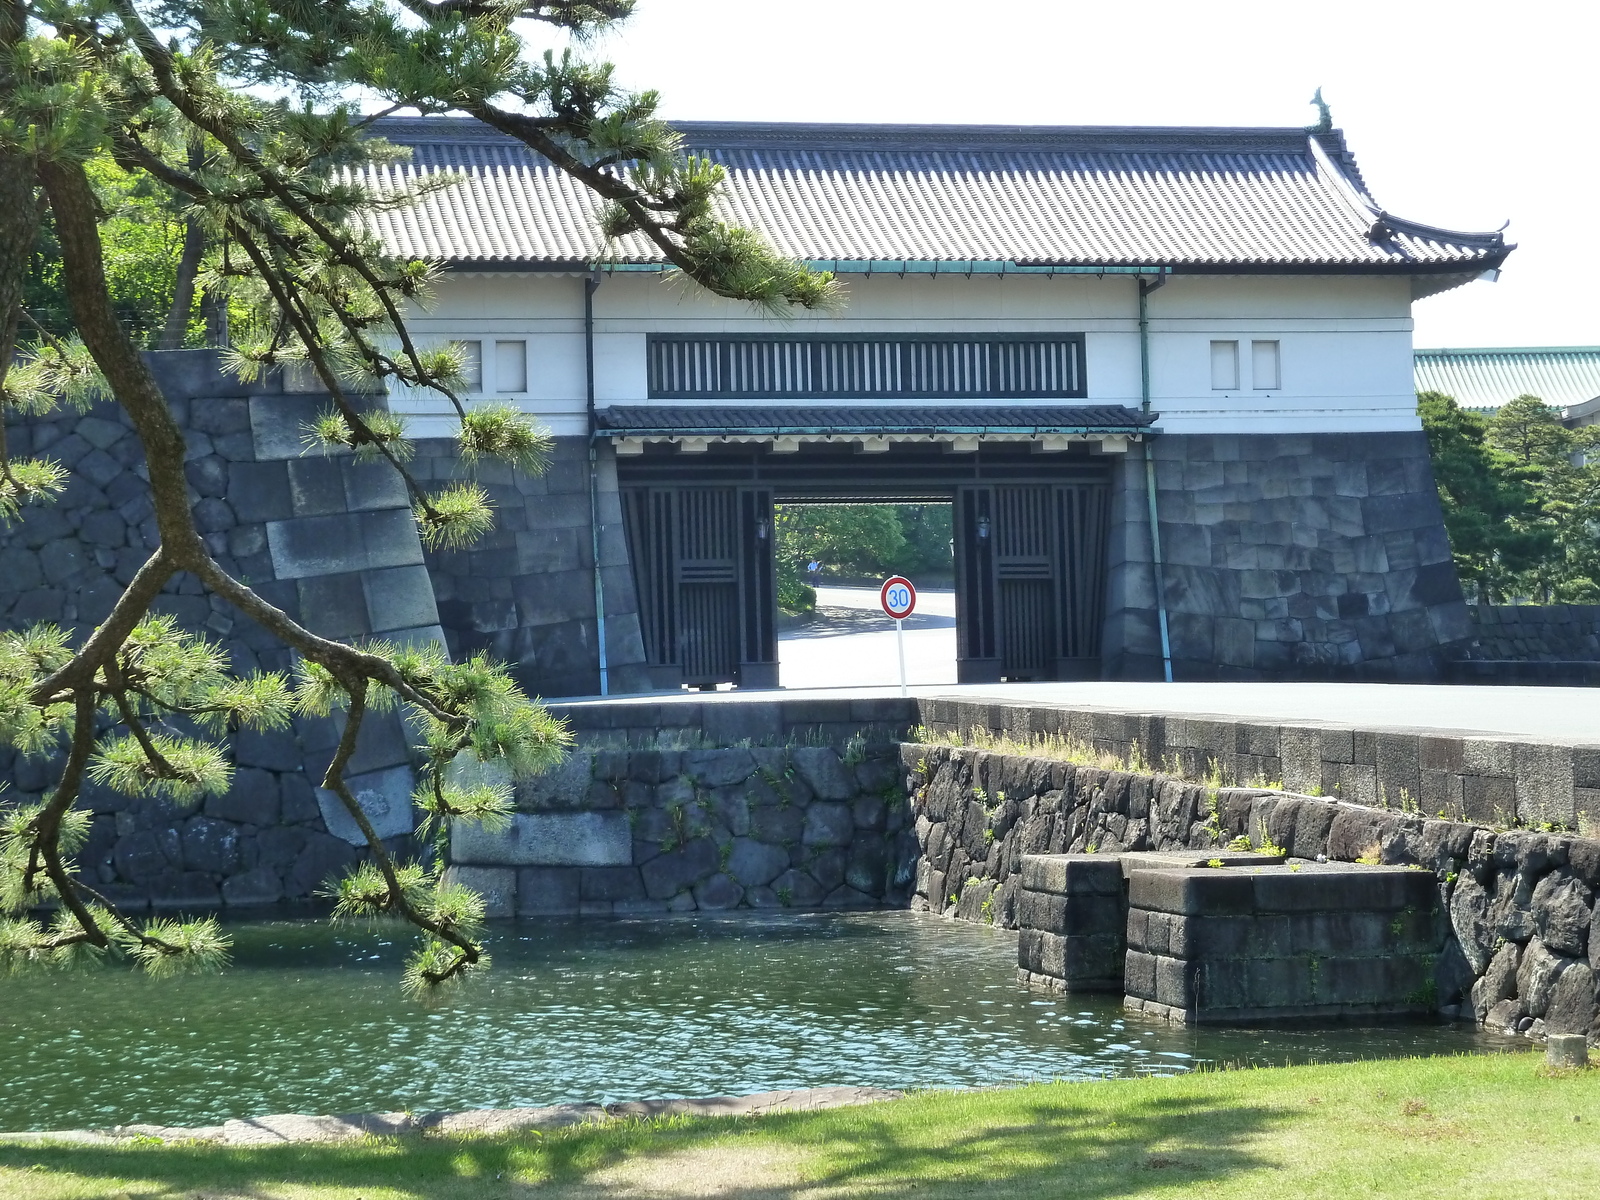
x=865, y=366
x=703, y=568
x=1030, y=566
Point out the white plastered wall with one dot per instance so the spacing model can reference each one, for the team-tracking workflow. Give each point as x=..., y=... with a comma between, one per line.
x=1344, y=341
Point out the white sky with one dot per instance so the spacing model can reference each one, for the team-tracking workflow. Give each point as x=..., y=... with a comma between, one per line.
x=1462, y=114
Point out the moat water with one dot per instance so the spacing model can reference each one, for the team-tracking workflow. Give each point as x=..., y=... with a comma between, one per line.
x=310, y=1018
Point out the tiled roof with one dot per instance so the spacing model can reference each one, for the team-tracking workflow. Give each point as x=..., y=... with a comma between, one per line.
x=664, y=420
x=966, y=197
x=1486, y=378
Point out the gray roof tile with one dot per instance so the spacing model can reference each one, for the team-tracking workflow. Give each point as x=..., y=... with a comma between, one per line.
x=667, y=420
x=1189, y=198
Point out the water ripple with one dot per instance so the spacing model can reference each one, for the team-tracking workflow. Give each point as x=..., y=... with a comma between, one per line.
x=312, y=1020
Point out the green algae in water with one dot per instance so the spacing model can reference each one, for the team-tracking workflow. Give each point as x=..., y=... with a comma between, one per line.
x=310, y=1019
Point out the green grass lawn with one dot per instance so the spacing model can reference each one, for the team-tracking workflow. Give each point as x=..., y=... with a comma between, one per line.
x=1479, y=1126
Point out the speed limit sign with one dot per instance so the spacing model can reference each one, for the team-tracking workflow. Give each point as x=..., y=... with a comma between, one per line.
x=898, y=597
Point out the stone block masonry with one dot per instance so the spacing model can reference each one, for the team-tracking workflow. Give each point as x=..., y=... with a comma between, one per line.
x=1072, y=914
x=525, y=592
x=1535, y=632
x=1485, y=778
x=1531, y=643
x=1234, y=944
x=1320, y=556
x=617, y=832
x=1072, y=920
x=326, y=539
x=1520, y=949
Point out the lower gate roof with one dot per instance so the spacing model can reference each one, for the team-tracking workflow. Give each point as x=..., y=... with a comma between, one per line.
x=943, y=198
x=731, y=421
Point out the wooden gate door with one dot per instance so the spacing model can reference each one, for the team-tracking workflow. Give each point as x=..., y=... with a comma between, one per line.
x=702, y=564
x=1030, y=581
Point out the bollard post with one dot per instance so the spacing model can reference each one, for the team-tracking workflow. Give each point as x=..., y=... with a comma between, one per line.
x=1566, y=1050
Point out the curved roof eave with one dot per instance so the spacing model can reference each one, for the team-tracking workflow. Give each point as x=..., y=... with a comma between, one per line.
x=956, y=199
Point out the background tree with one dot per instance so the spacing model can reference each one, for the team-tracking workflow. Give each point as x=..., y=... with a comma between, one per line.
x=151, y=261
x=1559, y=468
x=138, y=704
x=1491, y=517
x=861, y=542
x=1521, y=499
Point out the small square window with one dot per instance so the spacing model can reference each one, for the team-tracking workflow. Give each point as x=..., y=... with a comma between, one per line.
x=511, y=366
x=1264, y=366
x=1224, y=366
x=472, y=365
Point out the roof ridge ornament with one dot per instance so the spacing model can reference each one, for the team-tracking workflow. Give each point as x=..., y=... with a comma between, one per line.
x=1324, y=115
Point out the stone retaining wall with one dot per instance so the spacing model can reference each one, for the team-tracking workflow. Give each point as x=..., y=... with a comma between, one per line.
x=1523, y=945
x=525, y=591
x=328, y=540
x=1534, y=632
x=652, y=831
x=1286, y=556
x=1483, y=778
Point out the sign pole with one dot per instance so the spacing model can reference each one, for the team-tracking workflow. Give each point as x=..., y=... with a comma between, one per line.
x=899, y=600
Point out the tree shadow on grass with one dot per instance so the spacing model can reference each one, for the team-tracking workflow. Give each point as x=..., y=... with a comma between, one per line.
x=1047, y=1144
x=1039, y=1141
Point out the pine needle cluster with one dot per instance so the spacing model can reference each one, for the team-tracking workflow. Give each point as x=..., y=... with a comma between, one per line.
x=252, y=122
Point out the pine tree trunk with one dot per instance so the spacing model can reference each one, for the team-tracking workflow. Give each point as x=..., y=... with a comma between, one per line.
x=194, y=248
x=21, y=224
x=83, y=276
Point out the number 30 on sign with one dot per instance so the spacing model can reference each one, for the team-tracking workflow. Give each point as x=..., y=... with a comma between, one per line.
x=898, y=597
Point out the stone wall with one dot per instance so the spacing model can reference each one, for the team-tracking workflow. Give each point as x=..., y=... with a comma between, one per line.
x=1286, y=556
x=1534, y=632
x=652, y=831
x=525, y=592
x=328, y=540
x=1476, y=777
x=1523, y=944
x=1276, y=942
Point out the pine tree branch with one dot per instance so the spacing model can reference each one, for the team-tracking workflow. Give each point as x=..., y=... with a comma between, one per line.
x=109, y=637
x=47, y=826
x=333, y=779
x=134, y=152
x=303, y=324
x=159, y=60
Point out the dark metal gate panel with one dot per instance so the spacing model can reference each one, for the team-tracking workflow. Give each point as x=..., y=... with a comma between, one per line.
x=702, y=566
x=647, y=516
x=1030, y=569
x=708, y=585
x=977, y=659
x=1025, y=578
x=1083, y=528
x=758, y=591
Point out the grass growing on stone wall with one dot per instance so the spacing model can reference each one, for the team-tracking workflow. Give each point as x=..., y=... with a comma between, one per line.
x=1497, y=1125
x=853, y=748
x=1066, y=748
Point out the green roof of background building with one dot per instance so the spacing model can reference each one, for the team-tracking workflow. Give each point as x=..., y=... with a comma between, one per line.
x=1486, y=377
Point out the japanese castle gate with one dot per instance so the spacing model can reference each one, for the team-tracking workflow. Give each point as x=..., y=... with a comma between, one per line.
x=1029, y=485
x=1100, y=345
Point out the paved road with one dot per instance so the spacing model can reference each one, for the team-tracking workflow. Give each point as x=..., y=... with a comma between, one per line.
x=851, y=643
x=850, y=650
x=1561, y=715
